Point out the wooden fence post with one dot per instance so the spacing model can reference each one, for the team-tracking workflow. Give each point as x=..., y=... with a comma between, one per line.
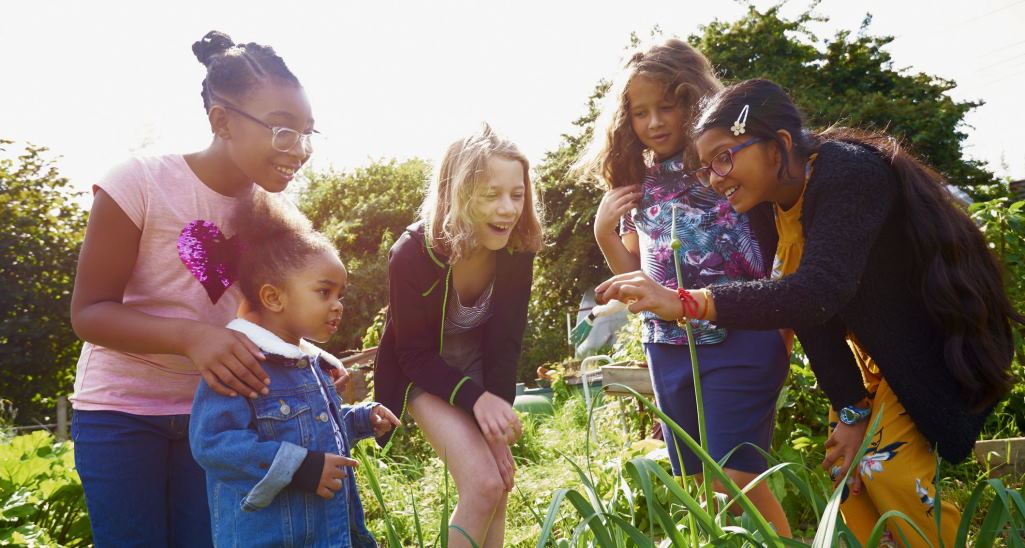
x=62, y=418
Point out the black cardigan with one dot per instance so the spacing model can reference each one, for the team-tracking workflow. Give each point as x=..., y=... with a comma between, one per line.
x=856, y=274
x=409, y=352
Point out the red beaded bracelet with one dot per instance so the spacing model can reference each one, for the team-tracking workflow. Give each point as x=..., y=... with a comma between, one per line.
x=690, y=304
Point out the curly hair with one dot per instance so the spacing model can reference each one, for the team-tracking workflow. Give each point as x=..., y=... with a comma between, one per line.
x=615, y=156
x=275, y=239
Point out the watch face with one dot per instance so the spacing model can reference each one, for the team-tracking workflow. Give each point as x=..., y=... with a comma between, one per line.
x=850, y=415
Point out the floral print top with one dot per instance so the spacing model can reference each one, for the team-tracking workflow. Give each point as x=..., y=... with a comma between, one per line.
x=718, y=244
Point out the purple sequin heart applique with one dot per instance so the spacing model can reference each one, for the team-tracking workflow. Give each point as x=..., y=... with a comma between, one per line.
x=212, y=259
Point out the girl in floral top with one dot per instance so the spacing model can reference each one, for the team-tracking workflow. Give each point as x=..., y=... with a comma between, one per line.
x=643, y=158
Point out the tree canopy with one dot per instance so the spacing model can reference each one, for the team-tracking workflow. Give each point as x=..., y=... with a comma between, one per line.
x=848, y=79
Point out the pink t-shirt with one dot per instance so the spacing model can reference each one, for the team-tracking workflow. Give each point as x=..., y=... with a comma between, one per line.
x=186, y=268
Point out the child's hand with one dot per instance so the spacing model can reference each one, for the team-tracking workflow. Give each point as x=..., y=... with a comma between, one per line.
x=506, y=465
x=613, y=206
x=497, y=420
x=227, y=360
x=340, y=377
x=644, y=293
x=332, y=478
x=382, y=420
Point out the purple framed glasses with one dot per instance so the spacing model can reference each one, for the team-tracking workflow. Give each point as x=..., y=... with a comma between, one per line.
x=722, y=163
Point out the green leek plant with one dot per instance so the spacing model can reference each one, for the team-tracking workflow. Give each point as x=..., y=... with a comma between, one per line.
x=635, y=502
x=695, y=372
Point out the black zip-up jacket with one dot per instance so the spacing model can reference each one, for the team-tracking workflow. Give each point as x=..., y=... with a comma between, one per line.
x=856, y=274
x=410, y=351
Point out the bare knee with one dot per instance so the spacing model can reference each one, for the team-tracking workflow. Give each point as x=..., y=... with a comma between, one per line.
x=741, y=478
x=485, y=491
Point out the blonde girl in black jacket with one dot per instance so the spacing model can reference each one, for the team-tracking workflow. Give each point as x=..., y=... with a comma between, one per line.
x=459, y=286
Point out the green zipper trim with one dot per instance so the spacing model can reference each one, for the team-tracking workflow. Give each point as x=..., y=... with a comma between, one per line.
x=427, y=245
x=429, y=289
x=444, y=307
x=452, y=398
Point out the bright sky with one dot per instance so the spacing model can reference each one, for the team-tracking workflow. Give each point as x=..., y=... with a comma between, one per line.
x=98, y=81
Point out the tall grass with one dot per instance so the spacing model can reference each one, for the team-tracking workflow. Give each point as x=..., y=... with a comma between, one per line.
x=626, y=497
x=572, y=491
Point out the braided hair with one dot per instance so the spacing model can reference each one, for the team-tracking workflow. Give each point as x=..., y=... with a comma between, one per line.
x=234, y=69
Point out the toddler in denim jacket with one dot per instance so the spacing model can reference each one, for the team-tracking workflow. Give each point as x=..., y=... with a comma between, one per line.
x=278, y=470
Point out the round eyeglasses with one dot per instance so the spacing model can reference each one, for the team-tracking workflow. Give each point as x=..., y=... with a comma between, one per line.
x=283, y=139
x=721, y=164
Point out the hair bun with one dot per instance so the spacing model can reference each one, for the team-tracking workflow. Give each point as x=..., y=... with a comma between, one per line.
x=214, y=43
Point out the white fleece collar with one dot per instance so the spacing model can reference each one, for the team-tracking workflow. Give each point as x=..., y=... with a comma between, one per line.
x=271, y=343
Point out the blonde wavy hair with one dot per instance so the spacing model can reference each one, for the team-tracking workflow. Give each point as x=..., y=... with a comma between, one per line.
x=615, y=156
x=448, y=211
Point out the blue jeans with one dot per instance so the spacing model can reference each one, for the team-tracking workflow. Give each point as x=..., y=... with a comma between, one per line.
x=142, y=486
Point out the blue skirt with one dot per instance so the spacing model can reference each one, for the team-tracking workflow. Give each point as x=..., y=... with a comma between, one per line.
x=741, y=378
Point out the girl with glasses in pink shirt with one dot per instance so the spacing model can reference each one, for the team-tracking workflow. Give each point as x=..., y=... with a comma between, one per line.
x=155, y=287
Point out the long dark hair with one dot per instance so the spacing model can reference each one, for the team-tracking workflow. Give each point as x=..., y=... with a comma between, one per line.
x=960, y=282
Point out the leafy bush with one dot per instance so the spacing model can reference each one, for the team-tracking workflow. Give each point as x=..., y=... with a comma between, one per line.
x=41, y=498
x=363, y=212
x=1003, y=223
x=43, y=230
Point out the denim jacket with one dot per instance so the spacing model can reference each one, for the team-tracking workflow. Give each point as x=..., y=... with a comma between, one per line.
x=251, y=448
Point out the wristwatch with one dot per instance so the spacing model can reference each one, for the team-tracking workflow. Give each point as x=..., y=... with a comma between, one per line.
x=851, y=414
